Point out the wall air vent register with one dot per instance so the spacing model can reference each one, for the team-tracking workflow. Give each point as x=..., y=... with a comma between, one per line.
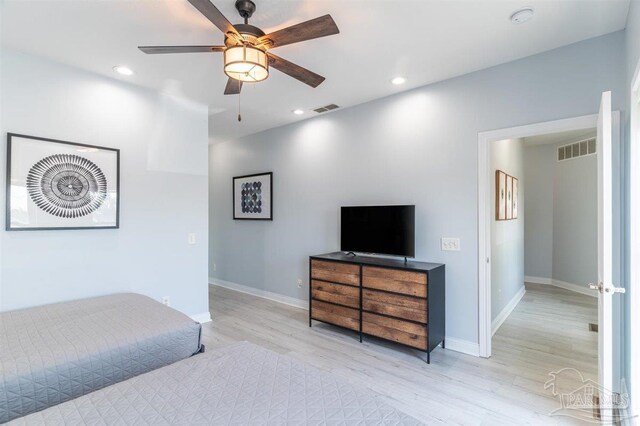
x=577, y=149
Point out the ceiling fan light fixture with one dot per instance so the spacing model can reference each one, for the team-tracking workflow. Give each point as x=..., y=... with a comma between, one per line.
x=246, y=63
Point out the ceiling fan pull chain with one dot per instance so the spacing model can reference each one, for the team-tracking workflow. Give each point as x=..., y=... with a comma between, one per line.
x=239, y=116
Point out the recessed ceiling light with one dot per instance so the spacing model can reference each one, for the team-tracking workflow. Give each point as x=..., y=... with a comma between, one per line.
x=298, y=111
x=123, y=70
x=398, y=81
x=521, y=16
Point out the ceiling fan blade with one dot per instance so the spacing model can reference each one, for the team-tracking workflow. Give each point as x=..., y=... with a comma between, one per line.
x=214, y=15
x=180, y=49
x=233, y=87
x=315, y=28
x=295, y=71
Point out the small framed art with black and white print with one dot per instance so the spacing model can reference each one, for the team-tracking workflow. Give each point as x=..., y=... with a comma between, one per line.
x=253, y=197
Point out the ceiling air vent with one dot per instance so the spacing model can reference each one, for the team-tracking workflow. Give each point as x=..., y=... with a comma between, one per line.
x=326, y=108
x=577, y=149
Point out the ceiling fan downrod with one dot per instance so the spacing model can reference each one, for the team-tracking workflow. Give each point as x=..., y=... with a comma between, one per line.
x=245, y=8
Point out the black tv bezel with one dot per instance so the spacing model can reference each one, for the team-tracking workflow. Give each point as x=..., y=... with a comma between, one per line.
x=406, y=256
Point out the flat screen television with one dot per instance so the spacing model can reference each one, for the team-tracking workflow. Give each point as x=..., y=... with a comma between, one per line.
x=378, y=229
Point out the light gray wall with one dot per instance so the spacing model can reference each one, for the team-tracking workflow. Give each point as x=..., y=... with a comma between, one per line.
x=417, y=147
x=163, y=171
x=575, y=221
x=539, y=169
x=507, y=237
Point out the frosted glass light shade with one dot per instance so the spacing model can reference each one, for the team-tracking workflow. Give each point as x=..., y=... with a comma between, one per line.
x=246, y=63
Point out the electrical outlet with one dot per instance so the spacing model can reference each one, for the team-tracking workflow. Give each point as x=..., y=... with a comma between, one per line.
x=214, y=267
x=299, y=282
x=166, y=301
x=191, y=238
x=450, y=244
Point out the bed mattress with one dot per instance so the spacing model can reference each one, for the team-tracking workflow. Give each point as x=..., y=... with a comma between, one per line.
x=243, y=384
x=54, y=353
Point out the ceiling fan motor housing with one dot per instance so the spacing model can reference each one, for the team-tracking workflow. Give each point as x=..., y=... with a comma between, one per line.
x=249, y=33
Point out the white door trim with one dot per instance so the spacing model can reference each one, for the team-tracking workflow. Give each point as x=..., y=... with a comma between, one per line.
x=484, y=204
x=634, y=243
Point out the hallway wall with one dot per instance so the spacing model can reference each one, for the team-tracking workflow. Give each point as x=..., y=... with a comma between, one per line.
x=507, y=237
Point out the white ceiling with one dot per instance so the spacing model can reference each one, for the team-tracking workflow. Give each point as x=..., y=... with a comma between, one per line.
x=423, y=40
x=569, y=136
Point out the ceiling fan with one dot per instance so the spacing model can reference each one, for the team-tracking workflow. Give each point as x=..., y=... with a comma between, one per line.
x=246, y=49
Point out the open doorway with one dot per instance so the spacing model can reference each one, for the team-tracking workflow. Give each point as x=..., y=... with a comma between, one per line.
x=544, y=249
x=609, y=182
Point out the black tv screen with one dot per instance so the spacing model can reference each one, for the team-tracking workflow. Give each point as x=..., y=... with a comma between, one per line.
x=378, y=229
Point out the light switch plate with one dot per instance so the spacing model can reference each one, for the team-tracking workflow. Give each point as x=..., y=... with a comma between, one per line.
x=191, y=238
x=450, y=244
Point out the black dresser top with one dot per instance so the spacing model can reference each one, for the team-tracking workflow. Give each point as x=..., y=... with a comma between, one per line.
x=340, y=256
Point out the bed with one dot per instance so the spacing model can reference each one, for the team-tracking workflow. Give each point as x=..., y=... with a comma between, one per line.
x=54, y=353
x=242, y=384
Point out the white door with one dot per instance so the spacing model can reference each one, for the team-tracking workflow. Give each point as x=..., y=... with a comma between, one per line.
x=605, y=287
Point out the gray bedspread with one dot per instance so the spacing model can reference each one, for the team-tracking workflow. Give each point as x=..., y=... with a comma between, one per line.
x=54, y=353
x=243, y=384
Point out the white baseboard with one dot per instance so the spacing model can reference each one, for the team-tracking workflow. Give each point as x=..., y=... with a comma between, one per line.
x=506, y=311
x=462, y=346
x=202, y=318
x=582, y=289
x=287, y=300
x=538, y=280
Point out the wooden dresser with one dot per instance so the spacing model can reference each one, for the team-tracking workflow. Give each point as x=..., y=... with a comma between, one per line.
x=395, y=300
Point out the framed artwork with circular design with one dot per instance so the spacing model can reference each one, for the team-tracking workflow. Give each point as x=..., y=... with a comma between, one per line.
x=54, y=184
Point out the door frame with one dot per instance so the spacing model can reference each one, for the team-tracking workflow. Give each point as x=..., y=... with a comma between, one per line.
x=634, y=241
x=485, y=185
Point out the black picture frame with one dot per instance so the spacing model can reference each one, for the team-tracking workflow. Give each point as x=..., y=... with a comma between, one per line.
x=8, y=226
x=233, y=191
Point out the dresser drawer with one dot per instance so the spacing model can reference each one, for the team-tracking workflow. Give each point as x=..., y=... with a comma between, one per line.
x=395, y=280
x=336, y=293
x=334, y=314
x=335, y=272
x=407, y=333
x=404, y=307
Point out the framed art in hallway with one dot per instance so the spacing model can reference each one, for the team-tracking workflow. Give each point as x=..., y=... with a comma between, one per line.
x=509, y=199
x=501, y=195
x=252, y=197
x=514, y=195
x=55, y=185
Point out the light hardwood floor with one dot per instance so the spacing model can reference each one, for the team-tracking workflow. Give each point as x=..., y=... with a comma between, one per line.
x=547, y=331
